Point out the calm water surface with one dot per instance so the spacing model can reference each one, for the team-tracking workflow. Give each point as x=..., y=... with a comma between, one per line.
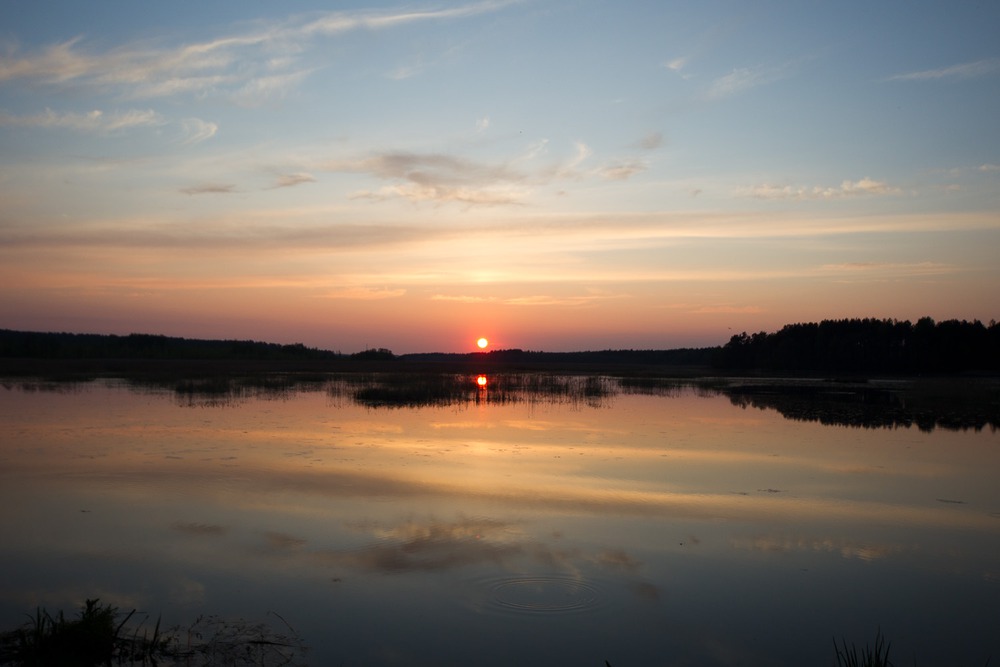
x=675, y=528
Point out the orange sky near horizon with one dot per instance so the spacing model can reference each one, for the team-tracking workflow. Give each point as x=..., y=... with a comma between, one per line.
x=393, y=177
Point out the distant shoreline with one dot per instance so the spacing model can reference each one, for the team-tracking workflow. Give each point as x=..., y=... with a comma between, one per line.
x=70, y=370
x=83, y=368
x=856, y=348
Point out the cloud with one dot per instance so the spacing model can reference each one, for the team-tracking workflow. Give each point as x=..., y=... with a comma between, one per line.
x=463, y=298
x=438, y=177
x=406, y=71
x=583, y=152
x=435, y=545
x=283, y=541
x=192, y=130
x=197, y=130
x=93, y=121
x=677, y=64
x=259, y=90
x=735, y=82
x=618, y=559
x=444, y=194
x=534, y=150
x=238, y=233
x=260, y=63
x=199, y=529
x=569, y=169
x=334, y=23
x=797, y=543
x=291, y=180
x=963, y=71
x=727, y=309
x=619, y=171
x=209, y=188
x=651, y=141
x=863, y=187
x=743, y=79
x=887, y=269
x=530, y=300
x=365, y=293
x=483, y=123
x=546, y=300
x=989, y=167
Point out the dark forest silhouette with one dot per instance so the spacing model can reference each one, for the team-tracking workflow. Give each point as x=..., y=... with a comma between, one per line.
x=832, y=346
x=34, y=345
x=868, y=346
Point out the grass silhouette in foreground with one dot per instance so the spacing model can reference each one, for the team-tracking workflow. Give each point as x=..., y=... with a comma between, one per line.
x=876, y=656
x=870, y=656
x=100, y=636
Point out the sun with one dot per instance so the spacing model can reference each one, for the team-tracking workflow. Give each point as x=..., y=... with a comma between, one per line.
x=482, y=343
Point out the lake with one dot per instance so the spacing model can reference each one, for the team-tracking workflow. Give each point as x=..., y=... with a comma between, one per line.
x=534, y=520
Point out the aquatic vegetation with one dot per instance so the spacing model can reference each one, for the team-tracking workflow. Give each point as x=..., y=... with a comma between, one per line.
x=100, y=636
x=94, y=638
x=870, y=656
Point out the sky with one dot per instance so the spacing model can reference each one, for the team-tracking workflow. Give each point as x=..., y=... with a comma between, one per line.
x=553, y=175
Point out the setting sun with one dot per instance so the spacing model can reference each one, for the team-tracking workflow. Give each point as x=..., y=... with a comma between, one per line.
x=482, y=343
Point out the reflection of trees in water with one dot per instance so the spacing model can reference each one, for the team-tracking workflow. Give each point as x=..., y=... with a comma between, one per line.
x=873, y=407
x=389, y=390
x=962, y=403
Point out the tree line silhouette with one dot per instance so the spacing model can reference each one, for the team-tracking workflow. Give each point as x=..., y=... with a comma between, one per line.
x=36, y=345
x=831, y=346
x=868, y=345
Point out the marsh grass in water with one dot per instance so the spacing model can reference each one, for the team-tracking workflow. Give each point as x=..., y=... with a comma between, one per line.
x=407, y=390
x=100, y=635
x=926, y=403
x=93, y=638
x=870, y=656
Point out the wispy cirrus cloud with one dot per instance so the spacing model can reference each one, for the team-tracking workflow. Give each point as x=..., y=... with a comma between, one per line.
x=968, y=70
x=364, y=293
x=264, y=88
x=677, y=66
x=260, y=63
x=190, y=130
x=893, y=267
x=531, y=299
x=96, y=120
x=862, y=187
x=725, y=308
x=197, y=130
x=743, y=79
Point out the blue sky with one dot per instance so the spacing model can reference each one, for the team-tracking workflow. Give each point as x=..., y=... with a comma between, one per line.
x=552, y=175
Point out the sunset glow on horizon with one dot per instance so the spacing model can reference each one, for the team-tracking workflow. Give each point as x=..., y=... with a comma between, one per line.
x=562, y=175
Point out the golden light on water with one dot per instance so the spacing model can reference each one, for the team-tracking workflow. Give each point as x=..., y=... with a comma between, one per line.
x=482, y=343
